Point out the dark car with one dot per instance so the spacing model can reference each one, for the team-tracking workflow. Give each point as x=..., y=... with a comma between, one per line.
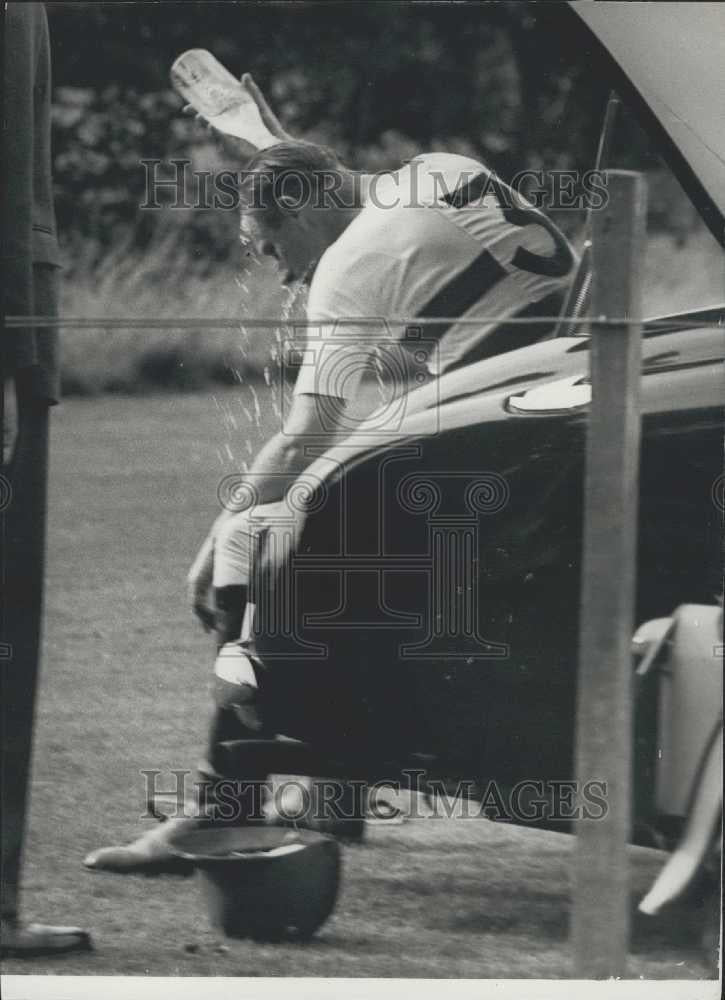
x=421, y=608
x=429, y=589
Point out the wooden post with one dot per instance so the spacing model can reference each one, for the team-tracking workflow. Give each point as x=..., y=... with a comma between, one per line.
x=604, y=709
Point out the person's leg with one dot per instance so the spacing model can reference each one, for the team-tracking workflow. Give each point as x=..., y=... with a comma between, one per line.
x=237, y=716
x=332, y=806
x=220, y=796
x=23, y=517
x=23, y=551
x=230, y=603
x=241, y=751
x=237, y=711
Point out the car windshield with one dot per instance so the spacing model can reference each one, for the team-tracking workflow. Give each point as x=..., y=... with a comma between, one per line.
x=684, y=267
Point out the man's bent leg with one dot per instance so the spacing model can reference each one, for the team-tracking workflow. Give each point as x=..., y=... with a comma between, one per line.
x=238, y=715
x=230, y=603
x=225, y=795
x=220, y=798
x=236, y=547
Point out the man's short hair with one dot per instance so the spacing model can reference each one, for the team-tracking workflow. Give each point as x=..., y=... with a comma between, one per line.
x=285, y=177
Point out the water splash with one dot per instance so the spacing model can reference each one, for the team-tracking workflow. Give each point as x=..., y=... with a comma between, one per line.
x=257, y=409
x=242, y=416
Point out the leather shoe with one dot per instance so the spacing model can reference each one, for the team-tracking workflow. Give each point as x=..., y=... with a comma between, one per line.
x=21, y=940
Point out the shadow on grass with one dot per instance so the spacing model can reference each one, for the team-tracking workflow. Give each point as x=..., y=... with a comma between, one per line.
x=686, y=928
x=544, y=914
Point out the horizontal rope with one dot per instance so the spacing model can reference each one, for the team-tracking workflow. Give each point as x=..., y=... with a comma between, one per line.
x=119, y=323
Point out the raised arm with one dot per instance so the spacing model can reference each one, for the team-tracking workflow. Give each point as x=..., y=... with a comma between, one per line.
x=240, y=147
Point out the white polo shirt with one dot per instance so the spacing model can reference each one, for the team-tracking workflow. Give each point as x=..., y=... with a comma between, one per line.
x=441, y=237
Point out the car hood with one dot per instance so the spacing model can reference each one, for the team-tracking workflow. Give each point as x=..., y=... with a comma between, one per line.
x=468, y=395
x=668, y=60
x=481, y=392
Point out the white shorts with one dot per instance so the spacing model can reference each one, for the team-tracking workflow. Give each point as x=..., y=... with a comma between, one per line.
x=237, y=541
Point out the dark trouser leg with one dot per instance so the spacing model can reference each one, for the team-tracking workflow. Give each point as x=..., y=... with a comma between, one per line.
x=237, y=715
x=236, y=707
x=230, y=604
x=23, y=540
x=22, y=536
x=241, y=752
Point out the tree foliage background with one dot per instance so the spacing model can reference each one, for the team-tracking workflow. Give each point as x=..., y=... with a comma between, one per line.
x=378, y=81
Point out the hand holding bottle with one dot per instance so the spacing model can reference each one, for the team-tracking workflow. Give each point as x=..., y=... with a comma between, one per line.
x=236, y=111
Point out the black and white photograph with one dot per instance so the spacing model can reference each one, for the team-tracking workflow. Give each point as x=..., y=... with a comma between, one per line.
x=362, y=499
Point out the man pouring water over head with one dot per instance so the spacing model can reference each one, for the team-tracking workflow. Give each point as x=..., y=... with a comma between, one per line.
x=441, y=240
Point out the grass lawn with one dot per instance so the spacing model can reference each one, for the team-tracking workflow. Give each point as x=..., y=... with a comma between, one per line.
x=124, y=688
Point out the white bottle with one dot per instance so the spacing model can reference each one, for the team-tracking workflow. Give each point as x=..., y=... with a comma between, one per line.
x=219, y=97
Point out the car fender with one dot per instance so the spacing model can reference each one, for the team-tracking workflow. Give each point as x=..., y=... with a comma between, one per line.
x=690, y=704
